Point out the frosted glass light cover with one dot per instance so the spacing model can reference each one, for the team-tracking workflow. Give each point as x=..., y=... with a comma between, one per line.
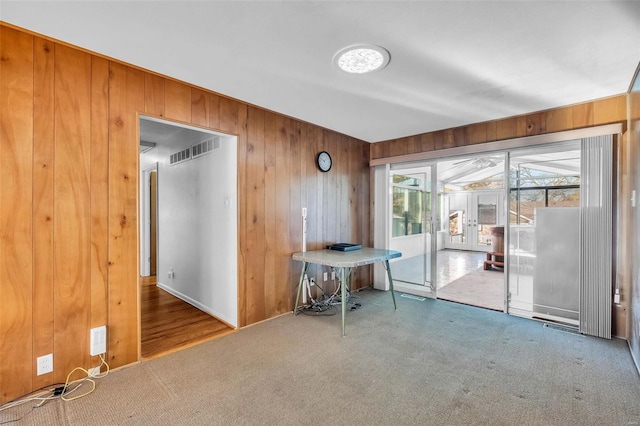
x=361, y=59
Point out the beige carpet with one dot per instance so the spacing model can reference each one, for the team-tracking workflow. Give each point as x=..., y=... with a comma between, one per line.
x=478, y=288
x=429, y=362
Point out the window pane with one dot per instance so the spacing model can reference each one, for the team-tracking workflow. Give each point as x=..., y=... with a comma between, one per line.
x=416, y=181
x=522, y=212
x=569, y=197
x=407, y=212
x=457, y=226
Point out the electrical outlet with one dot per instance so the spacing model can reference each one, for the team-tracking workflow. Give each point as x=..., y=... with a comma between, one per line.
x=95, y=371
x=98, y=340
x=45, y=364
x=312, y=282
x=333, y=275
x=325, y=276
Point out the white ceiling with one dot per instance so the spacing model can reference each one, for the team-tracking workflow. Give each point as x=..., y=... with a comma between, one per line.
x=452, y=63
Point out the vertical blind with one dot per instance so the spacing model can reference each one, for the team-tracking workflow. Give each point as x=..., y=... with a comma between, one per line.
x=596, y=233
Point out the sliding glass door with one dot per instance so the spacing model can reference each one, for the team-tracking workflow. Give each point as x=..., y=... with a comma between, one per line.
x=412, y=215
x=544, y=238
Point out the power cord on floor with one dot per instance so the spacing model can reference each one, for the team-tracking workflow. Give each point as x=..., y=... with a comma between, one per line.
x=56, y=391
x=89, y=378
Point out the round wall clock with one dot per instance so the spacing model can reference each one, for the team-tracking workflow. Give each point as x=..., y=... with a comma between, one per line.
x=324, y=161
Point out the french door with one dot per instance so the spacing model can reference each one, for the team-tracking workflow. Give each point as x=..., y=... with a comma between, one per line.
x=471, y=217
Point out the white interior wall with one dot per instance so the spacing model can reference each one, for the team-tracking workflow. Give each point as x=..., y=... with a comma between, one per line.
x=198, y=231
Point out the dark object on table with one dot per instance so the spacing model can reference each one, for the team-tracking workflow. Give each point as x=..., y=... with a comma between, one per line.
x=344, y=247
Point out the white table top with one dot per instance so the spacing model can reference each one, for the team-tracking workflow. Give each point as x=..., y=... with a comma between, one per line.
x=346, y=259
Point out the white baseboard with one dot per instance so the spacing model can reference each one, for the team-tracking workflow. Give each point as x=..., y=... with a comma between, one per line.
x=195, y=303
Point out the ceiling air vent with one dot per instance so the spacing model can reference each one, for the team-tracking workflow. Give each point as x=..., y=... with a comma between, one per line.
x=180, y=157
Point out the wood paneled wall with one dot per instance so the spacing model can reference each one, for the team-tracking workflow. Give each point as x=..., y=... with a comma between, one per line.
x=588, y=114
x=69, y=202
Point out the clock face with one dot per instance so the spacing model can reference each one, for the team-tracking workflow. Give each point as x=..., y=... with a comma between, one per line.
x=324, y=161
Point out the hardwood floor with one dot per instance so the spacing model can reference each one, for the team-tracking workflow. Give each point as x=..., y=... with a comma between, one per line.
x=170, y=324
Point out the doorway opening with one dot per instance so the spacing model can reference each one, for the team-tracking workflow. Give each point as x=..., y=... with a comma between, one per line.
x=188, y=235
x=445, y=217
x=471, y=262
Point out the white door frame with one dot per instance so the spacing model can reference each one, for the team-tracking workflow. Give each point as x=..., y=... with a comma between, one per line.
x=382, y=230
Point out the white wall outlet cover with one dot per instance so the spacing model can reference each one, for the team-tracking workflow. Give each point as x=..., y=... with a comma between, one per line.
x=44, y=364
x=98, y=340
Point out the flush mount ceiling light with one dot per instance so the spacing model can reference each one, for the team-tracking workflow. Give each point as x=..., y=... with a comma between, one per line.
x=361, y=58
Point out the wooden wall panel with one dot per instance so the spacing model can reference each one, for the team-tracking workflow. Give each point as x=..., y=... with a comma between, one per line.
x=126, y=98
x=43, y=136
x=330, y=186
x=536, y=124
x=72, y=210
x=296, y=190
x=506, y=128
x=634, y=111
x=477, y=133
x=200, y=107
x=354, y=236
x=312, y=144
x=16, y=209
x=214, y=111
x=438, y=140
x=228, y=115
x=317, y=215
x=492, y=131
x=282, y=188
x=378, y=150
x=341, y=161
x=448, y=138
x=582, y=115
x=559, y=119
x=177, y=105
x=426, y=143
x=154, y=94
x=397, y=147
x=254, y=214
x=609, y=110
x=240, y=125
x=271, y=246
x=99, y=192
x=459, y=137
